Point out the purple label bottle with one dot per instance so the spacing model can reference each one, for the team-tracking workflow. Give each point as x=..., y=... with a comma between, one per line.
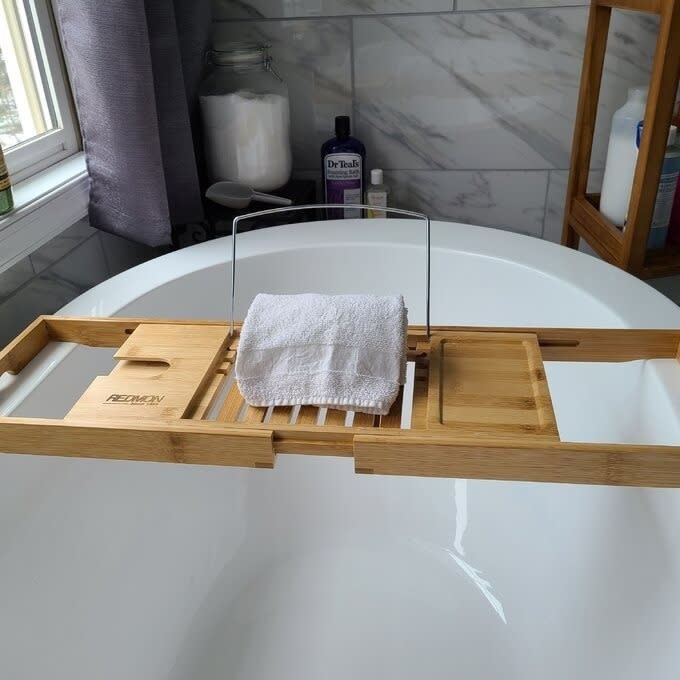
x=342, y=170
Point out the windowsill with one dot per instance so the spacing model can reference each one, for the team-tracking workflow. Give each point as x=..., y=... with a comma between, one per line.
x=45, y=205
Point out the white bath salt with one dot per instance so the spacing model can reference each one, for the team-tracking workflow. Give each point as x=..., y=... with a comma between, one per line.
x=247, y=138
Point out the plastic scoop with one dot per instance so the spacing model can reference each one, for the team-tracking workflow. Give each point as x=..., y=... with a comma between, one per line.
x=235, y=195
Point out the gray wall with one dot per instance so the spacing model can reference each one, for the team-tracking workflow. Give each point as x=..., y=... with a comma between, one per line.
x=469, y=111
x=59, y=271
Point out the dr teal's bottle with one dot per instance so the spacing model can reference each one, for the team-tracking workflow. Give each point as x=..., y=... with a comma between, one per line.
x=6, y=199
x=342, y=170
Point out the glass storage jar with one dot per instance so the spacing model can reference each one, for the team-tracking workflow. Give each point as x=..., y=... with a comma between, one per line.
x=246, y=118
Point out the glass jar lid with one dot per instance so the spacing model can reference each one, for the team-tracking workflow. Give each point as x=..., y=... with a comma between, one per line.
x=240, y=54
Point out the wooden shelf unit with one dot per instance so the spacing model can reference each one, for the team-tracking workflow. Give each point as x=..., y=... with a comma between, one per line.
x=627, y=250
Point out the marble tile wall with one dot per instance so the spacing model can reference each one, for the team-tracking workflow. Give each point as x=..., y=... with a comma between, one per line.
x=468, y=105
x=59, y=271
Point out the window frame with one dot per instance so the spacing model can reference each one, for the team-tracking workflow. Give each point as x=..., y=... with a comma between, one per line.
x=35, y=155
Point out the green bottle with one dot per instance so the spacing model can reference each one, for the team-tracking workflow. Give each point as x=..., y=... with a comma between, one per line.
x=6, y=200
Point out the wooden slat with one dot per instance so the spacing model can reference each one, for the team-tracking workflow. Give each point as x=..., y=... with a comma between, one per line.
x=17, y=355
x=281, y=414
x=335, y=417
x=557, y=344
x=308, y=415
x=589, y=344
x=419, y=407
x=209, y=397
x=192, y=442
x=227, y=363
x=363, y=420
x=254, y=414
x=432, y=456
x=232, y=405
x=109, y=331
x=393, y=418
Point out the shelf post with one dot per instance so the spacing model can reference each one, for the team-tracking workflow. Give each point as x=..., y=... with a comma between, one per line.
x=586, y=116
x=658, y=114
x=583, y=219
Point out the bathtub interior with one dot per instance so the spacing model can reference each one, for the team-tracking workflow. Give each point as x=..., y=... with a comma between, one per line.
x=309, y=570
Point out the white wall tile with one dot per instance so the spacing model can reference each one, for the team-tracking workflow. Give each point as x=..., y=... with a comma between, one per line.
x=313, y=57
x=82, y=268
x=41, y=296
x=249, y=9
x=501, y=199
x=62, y=244
x=515, y=4
x=121, y=254
x=14, y=277
x=75, y=273
x=489, y=90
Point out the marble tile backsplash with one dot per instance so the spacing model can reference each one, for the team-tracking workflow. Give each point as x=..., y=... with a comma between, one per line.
x=314, y=58
x=62, y=269
x=493, y=198
x=261, y=9
x=468, y=105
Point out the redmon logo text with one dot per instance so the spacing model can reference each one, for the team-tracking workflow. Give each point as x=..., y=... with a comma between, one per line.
x=141, y=399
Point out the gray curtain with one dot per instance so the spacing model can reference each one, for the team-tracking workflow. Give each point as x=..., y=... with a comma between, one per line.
x=135, y=66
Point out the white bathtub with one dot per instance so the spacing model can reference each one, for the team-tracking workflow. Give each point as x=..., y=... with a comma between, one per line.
x=118, y=570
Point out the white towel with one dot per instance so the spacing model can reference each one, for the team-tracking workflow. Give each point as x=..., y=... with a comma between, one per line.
x=345, y=352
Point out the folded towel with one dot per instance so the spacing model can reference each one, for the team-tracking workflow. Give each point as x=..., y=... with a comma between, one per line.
x=345, y=352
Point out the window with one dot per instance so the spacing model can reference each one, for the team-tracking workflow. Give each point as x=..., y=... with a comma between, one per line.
x=37, y=126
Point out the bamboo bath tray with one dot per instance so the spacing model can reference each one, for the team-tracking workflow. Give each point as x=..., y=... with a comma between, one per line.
x=481, y=406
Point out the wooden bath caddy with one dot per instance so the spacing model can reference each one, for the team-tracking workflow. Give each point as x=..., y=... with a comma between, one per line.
x=481, y=407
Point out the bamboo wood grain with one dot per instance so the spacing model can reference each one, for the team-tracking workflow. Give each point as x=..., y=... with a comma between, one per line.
x=591, y=344
x=204, y=443
x=308, y=415
x=493, y=384
x=658, y=113
x=363, y=420
x=335, y=417
x=481, y=407
x=192, y=354
x=254, y=414
x=557, y=344
x=586, y=113
x=592, y=225
x=18, y=354
x=564, y=462
x=108, y=331
x=393, y=418
x=209, y=397
x=281, y=415
x=231, y=408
